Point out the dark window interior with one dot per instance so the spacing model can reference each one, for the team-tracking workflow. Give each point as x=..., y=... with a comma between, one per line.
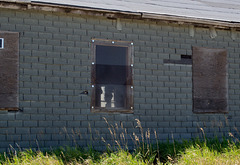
x=111, y=73
x=1, y=43
x=186, y=57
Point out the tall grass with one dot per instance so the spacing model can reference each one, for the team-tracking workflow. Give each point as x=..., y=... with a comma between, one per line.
x=205, y=155
x=196, y=151
x=146, y=151
x=30, y=157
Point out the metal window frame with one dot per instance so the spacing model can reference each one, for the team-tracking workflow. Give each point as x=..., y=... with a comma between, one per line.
x=129, y=99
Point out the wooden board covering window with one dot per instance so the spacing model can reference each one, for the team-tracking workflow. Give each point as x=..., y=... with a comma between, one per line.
x=9, y=71
x=210, y=86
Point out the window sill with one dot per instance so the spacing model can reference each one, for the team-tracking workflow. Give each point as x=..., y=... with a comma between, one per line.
x=111, y=110
x=5, y=110
x=9, y=109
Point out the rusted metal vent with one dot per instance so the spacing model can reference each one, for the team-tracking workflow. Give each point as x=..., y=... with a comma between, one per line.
x=186, y=57
x=185, y=60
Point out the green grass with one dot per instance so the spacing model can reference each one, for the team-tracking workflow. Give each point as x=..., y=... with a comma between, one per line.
x=204, y=155
x=208, y=151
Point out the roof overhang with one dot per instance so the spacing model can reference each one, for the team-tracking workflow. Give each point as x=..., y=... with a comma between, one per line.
x=114, y=14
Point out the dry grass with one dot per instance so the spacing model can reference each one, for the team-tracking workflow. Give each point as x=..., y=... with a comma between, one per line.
x=196, y=151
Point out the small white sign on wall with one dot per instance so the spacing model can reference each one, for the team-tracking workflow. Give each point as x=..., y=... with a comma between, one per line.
x=1, y=43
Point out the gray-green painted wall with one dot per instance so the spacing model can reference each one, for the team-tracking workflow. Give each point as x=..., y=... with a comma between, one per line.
x=55, y=65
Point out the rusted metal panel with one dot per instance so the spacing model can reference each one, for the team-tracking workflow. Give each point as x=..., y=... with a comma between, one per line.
x=9, y=71
x=210, y=86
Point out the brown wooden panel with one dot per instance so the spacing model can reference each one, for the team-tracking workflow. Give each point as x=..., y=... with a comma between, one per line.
x=209, y=80
x=9, y=100
x=210, y=105
x=210, y=93
x=9, y=70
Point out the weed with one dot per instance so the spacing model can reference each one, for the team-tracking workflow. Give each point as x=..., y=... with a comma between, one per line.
x=194, y=151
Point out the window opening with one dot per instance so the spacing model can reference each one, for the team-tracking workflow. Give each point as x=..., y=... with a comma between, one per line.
x=112, y=76
x=1, y=43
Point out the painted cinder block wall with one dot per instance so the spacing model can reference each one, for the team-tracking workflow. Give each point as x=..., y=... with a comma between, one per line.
x=55, y=67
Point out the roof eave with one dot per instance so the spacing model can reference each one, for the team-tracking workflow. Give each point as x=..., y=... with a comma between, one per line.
x=191, y=20
x=27, y=5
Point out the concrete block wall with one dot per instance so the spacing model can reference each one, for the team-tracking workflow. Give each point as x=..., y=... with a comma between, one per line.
x=55, y=64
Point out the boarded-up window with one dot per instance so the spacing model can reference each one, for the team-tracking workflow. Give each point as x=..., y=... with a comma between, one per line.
x=210, y=86
x=9, y=64
x=112, y=76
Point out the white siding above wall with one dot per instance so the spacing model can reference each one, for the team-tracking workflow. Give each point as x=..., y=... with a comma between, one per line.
x=201, y=9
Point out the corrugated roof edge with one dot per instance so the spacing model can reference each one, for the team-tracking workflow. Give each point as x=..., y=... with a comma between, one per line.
x=17, y=0
x=86, y=8
x=33, y=5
